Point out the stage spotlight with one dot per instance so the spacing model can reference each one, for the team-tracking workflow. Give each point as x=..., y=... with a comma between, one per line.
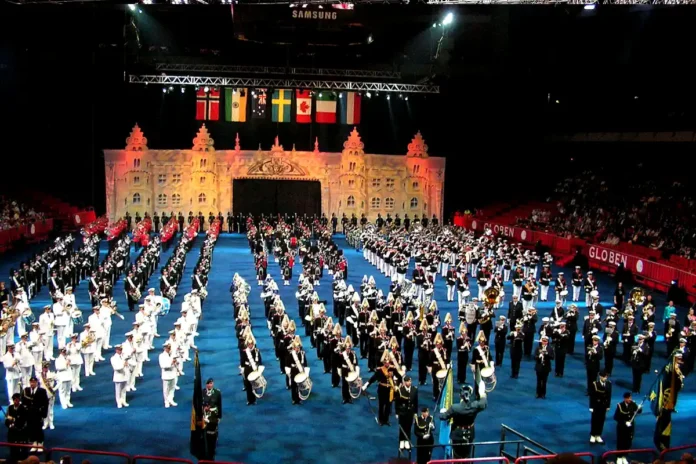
x=370, y=39
x=131, y=7
x=183, y=89
x=406, y=98
x=388, y=97
x=369, y=95
x=401, y=95
x=320, y=94
x=139, y=10
x=164, y=90
x=206, y=89
x=171, y=87
x=448, y=19
x=434, y=24
x=590, y=7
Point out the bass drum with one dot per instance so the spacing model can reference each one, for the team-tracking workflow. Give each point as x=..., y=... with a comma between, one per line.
x=304, y=385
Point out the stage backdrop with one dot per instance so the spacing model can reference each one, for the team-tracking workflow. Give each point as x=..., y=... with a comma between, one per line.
x=201, y=179
x=276, y=196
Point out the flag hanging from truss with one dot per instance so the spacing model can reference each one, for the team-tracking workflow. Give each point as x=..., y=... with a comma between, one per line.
x=326, y=108
x=235, y=104
x=280, y=105
x=350, y=107
x=208, y=104
x=258, y=103
x=303, y=102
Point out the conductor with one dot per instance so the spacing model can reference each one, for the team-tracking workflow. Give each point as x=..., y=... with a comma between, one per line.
x=463, y=416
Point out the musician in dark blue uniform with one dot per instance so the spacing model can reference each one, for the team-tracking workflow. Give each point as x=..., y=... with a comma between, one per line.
x=463, y=415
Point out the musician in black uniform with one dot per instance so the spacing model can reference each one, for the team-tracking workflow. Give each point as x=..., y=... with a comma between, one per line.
x=132, y=287
x=386, y=389
x=624, y=416
x=600, y=402
x=16, y=423
x=516, y=349
x=543, y=356
x=293, y=368
x=501, y=332
x=515, y=311
x=406, y=409
x=348, y=363
x=560, y=338
x=35, y=399
x=463, y=348
x=595, y=353
x=463, y=415
x=639, y=362
x=334, y=223
x=251, y=360
x=424, y=427
x=439, y=361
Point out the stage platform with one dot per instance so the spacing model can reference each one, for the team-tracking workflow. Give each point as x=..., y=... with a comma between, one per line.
x=322, y=430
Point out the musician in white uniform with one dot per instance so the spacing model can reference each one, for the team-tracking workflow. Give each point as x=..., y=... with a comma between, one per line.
x=71, y=307
x=95, y=322
x=26, y=359
x=88, y=340
x=128, y=351
x=46, y=324
x=75, y=357
x=140, y=349
x=48, y=382
x=168, y=365
x=13, y=373
x=144, y=323
x=105, y=313
x=64, y=378
x=60, y=320
x=120, y=366
x=36, y=339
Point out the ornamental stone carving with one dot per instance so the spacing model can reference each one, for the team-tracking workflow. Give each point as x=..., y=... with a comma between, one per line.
x=354, y=145
x=136, y=141
x=275, y=167
x=417, y=148
x=203, y=141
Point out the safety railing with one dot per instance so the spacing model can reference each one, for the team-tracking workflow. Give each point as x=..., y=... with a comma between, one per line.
x=142, y=457
x=51, y=454
x=631, y=451
x=218, y=462
x=675, y=449
x=21, y=450
x=505, y=431
x=502, y=459
x=523, y=459
x=405, y=452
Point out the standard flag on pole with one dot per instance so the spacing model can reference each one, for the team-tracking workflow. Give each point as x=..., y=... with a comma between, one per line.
x=663, y=398
x=303, y=101
x=350, y=108
x=281, y=103
x=235, y=104
x=198, y=441
x=326, y=108
x=208, y=105
x=258, y=104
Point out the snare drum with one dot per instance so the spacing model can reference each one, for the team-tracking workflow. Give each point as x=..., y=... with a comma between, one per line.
x=594, y=294
x=28, y=317
x=77, y=317
x=166, y=306
x=466, y=293
x=300, y=378
x=254, y=375
x=441, y=374
x=350, y=378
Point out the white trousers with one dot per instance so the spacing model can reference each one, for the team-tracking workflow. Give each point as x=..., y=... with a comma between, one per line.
x=89, y=363
x=64, y=392
x=26, y=375
x=12, y=388
x=48, y=351
x=60, y=333
x=48, y=421
x=444, y=267
x=76, y=375
x=120, y=393
x=544, y=292
x=168, y=391
x=450, y=292
x=98, y=353
x=506, y=275
x=107, y=335
x=38, y=360
x=576, y=293
x=131, y=378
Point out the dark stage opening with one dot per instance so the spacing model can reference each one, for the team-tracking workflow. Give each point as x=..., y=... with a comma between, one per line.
x=262, y=196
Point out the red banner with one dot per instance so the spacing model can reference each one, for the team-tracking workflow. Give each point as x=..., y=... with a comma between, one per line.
x=31, y=232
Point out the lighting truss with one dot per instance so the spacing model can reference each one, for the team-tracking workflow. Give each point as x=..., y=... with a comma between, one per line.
x=230, y=69
x=219, y=81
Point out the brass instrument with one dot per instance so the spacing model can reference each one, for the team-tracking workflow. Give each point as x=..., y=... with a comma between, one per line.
x=646, y=310
x=88, y=341
x=114, y=311
x=636, y=296
x=492, y=295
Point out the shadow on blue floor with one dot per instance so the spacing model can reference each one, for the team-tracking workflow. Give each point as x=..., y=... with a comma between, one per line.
x=322, y=430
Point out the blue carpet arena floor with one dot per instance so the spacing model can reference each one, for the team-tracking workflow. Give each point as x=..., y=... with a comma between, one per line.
x=322, y=430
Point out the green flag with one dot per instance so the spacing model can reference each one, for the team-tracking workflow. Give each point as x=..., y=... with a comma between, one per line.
x=198, y=442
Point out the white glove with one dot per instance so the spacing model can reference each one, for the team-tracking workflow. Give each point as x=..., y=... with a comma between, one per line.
x=364, y=387
x=443, y=410
x=591, y=410
x=426, y=436
x=629, y=424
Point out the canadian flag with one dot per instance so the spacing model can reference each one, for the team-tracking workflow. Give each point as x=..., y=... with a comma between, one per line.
x=303, y=101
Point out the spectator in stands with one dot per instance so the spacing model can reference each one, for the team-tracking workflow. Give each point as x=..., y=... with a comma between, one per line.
x=669, y=310
x=13, y=214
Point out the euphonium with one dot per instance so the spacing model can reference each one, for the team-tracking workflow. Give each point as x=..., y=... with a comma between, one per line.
x=87, y=341
x=492, y=294
x=637, y=296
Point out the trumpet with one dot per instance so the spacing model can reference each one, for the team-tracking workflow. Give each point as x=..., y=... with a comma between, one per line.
x=591, y=350
x=607, y=342
x=114, y=311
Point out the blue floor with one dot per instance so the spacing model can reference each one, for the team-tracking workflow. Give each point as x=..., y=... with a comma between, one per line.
x=322, y=429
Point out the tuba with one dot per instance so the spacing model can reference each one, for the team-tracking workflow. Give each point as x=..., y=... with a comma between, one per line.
x=492, y=295
x=637, y=296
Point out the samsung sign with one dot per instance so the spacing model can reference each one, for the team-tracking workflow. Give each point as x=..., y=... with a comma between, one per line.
x=316, y=15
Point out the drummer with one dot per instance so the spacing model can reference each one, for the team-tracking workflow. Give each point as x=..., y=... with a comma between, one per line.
x=251, y=364
x=439, y=365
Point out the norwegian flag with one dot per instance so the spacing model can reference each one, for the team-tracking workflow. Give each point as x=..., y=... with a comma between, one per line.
x=208, y=105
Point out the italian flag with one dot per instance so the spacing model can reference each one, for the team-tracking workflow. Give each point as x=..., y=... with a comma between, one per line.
x=303, y=101
x=326, y=108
